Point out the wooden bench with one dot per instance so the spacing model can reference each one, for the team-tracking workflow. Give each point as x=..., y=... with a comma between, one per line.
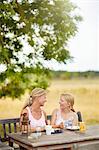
x=8, y=126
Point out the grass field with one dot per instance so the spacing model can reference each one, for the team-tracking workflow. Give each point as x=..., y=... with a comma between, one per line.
x=86, y=93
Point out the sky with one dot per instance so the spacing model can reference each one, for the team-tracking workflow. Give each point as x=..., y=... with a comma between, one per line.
x=84, y=47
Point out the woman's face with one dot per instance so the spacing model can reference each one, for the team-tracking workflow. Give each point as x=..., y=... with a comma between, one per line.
x=42, y=99
x=63, y=103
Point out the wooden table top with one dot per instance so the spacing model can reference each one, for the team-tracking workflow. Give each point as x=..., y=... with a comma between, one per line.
x=67, y=137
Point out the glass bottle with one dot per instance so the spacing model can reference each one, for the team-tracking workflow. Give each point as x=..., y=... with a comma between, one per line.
x=25, y=123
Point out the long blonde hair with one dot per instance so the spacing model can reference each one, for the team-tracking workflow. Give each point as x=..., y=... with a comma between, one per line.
x=70, y=99
x=37, y=92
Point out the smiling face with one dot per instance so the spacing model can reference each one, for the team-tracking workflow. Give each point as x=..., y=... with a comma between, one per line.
x=64, y=104
x=42, y=99
x=37, y=97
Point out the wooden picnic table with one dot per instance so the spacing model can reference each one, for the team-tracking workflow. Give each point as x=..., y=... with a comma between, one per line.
x=67, y=139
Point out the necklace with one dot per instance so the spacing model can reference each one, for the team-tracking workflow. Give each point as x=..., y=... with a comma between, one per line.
x=36, y=114
x=35, y=111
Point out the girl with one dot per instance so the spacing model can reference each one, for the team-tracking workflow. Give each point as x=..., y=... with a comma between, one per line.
x=64, y=116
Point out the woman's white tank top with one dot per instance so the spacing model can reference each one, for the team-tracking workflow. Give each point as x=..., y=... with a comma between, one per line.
x=34, y=122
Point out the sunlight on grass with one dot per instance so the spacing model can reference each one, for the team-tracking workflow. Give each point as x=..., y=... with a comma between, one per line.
x=86, y=93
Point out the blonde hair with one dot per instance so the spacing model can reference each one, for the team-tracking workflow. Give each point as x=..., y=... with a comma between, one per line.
x=70, y=99
x=37, y=92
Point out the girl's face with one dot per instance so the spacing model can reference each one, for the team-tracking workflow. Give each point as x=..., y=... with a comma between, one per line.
x=42, y=99
x=63, y=103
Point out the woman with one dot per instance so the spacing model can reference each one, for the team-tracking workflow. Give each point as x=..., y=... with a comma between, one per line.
x=32, y=109
x=64, y=116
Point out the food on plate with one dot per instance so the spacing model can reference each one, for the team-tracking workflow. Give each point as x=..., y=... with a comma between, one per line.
x=73, y=127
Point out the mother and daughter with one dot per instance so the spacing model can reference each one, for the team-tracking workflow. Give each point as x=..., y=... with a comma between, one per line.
x=61, y=117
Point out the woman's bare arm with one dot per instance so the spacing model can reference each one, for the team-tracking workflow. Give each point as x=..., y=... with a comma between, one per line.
x=53, y=118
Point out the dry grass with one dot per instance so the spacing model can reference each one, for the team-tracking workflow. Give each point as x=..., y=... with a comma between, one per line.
x=86, y=94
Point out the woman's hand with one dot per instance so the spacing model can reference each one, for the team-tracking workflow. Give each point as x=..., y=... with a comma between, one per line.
x=42, y=128
x=61, y=126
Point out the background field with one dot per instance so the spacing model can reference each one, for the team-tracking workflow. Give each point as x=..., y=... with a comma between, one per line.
x=86, y=94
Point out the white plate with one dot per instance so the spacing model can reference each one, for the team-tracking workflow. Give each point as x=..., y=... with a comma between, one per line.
x=73, y=128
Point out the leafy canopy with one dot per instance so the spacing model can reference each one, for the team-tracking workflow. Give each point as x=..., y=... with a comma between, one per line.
x=31, y=33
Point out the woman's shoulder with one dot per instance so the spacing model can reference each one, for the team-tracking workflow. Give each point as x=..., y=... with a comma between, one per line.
x=74, y=114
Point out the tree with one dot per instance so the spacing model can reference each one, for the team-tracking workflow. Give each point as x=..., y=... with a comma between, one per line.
x=31, y=33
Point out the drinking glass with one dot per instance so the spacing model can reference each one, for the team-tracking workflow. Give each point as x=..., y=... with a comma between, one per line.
x=38, y=131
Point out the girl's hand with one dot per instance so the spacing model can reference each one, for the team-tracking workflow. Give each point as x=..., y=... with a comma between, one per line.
x=61, y=125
